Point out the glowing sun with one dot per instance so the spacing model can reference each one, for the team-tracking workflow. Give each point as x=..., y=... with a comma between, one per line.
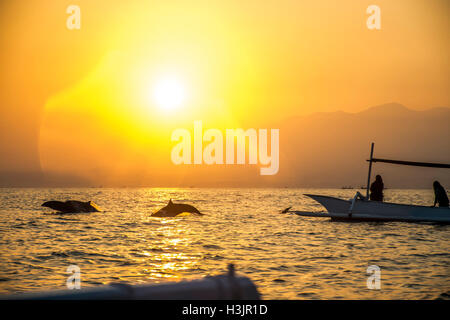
x=169, y=93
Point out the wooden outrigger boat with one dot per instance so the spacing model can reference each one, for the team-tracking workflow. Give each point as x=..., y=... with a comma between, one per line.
x=361, y=209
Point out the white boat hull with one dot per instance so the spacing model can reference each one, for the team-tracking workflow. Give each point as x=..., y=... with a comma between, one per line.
x=381, y=211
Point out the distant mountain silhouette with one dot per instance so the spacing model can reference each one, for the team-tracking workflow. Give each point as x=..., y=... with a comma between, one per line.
x=324, y=149
x=330, y=149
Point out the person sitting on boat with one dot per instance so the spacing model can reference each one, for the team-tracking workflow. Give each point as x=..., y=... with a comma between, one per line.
x=440, y=195
x=376, y=189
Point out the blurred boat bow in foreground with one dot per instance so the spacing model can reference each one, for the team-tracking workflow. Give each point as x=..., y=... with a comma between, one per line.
x=222, y=287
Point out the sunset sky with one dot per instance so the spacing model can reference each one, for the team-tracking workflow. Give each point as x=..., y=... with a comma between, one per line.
x=135, y=70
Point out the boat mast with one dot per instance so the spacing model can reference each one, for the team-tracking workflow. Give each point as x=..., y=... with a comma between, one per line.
x=370, y=170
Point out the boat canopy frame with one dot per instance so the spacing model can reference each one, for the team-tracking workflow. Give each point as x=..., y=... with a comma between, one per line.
x=399, y=162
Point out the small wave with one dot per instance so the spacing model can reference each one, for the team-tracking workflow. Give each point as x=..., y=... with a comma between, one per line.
x=423, y=239
x=92, y=239
x=143, y=255
x=213, y=257
x=76, y=253
x=23, y=225
x=279, y=268
x=441, y=254
x=66, y=254
x=131, y=224
x=308, y=295
x=320, y=258
x=255, y=248
x=39, y=267
x=94, y=283
x=444, y=296
x=304, y=268
x=212, y=246
x=127, y=263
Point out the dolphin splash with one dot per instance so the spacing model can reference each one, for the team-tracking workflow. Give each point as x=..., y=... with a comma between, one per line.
x=174, y=209
x=72, y=206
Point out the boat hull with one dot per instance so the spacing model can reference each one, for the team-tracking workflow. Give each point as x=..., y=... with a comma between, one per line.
x=339, y=209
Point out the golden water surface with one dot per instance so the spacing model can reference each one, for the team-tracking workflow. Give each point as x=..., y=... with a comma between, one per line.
x=287, y=256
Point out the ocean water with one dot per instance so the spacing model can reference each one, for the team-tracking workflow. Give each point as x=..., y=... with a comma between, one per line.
x=287, y=256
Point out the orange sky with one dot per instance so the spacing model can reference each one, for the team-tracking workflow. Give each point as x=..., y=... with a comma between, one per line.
x=240, y=62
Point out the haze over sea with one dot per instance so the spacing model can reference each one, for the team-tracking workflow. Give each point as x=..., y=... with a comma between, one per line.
x=287, y=256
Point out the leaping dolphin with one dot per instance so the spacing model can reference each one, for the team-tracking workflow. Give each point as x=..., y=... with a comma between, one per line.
x=174, y=209
x=72, y=206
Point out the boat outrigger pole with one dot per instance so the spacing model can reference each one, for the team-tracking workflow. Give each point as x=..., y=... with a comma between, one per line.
x=400, y=162
x=412, y=163
x=370, y=171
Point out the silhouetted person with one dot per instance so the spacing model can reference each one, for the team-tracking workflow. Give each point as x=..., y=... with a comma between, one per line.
x=376, y=189
x=440, y=195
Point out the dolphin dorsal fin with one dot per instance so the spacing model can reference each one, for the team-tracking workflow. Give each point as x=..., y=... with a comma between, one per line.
x=170, y=202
